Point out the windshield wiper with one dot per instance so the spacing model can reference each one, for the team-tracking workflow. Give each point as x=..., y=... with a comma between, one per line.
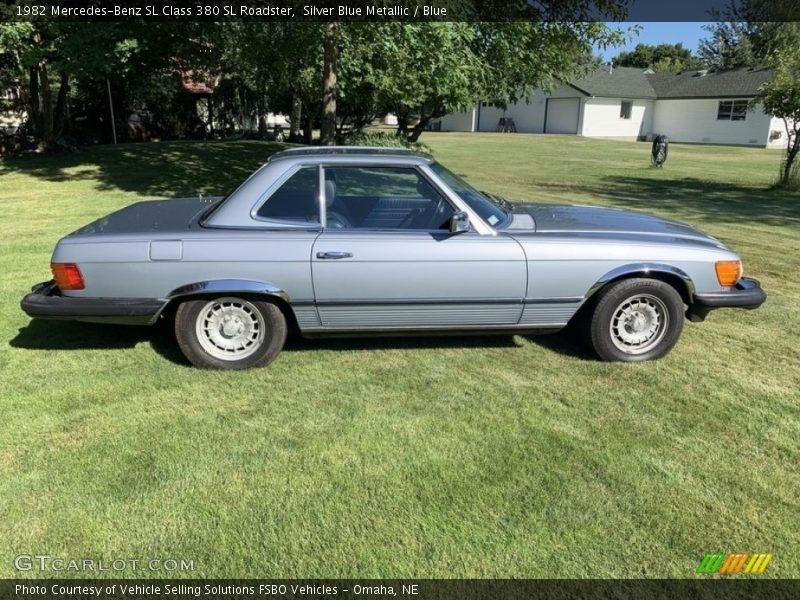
x=500, y=201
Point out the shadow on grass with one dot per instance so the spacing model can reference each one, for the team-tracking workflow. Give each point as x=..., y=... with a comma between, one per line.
x=694, y=199
x=69, y=335
x=298, y=343
x=567, y=343
x=156, y=169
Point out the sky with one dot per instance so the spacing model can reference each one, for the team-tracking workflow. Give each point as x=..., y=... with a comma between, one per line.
x=659, y=33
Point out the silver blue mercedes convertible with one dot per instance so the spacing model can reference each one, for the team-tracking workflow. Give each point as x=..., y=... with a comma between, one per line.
x=349, y=240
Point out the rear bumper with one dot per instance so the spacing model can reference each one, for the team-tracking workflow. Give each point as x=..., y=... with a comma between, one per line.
x=745, y=294
x=46, y=302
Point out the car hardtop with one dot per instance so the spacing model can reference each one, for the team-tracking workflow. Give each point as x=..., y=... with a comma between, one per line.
x=369, y=154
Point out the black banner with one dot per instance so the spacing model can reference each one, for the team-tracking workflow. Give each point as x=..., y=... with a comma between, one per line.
x=393, y=10
x=399, y=589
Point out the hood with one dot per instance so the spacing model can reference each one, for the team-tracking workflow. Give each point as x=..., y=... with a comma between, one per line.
x=149, y=217
x=556, y=218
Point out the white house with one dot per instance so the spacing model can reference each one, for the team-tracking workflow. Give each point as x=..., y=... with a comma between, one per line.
x=703, y=107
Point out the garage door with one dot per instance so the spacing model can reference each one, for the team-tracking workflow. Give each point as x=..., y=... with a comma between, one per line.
x=562, y=115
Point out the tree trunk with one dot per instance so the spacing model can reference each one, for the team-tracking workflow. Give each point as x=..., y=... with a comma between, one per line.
x=61, y=106
x=296, y=117
x=328, y=129
x=788, y=166
x=34, y=111
x=402, y=124
x=48, y=138
x=417, y=130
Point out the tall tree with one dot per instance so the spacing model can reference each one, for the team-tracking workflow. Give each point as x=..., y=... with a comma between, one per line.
x=729, y=45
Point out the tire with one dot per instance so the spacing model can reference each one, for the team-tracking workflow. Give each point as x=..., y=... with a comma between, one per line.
x=636, y=320
x=230, y=332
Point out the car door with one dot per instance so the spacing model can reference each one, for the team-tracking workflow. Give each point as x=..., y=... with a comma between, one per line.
x=386, y=259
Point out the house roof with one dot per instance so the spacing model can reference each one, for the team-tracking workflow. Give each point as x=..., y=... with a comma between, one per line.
x=616, y=82
x=629, y=82
x=734, y=83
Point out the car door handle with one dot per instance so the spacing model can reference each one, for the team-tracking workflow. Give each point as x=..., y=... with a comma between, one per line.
x=334, y=255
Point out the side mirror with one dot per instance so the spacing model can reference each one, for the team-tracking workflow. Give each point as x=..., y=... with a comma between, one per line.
x=459, y=222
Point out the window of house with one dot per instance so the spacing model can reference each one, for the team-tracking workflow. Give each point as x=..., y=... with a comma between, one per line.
x=296, y=200
x=732, y=110
x=625, y=108
x=383, y=198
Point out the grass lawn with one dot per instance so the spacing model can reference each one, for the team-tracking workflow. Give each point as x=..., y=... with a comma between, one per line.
x=431, y=457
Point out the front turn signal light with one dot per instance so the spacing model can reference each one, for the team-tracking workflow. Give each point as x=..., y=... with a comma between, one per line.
x=67, y=275
x=729, y=272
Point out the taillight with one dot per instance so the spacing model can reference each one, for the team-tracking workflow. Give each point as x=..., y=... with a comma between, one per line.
x=729, y=272
x=67, y=275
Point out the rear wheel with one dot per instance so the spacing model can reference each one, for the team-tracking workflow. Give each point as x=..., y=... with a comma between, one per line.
x=636, y=320
x=230, y=332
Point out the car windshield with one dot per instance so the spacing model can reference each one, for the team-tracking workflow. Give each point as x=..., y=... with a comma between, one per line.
x=486, y=209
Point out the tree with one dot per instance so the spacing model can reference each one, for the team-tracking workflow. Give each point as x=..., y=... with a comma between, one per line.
x=498, y=62
x=663, y=58
x=748, y=32
x=284, y=60
x=63, y=60
x=781, y=97
x=346, y=73
x=729, y=46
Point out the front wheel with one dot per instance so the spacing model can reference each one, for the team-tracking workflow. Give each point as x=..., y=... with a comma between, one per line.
x=230, y=332
x=636, y=320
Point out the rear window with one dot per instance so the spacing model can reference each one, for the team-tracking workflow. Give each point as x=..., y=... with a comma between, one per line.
x=296, y=200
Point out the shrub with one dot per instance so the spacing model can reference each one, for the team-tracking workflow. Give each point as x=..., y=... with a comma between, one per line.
x=383, y=139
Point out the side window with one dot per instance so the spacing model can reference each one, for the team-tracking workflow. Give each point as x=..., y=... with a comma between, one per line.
x=732, y=110
x=296, y=200
x=383, y=198
x=625, y=108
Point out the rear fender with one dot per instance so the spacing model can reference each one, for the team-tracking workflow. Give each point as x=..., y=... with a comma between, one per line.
x=216, y=287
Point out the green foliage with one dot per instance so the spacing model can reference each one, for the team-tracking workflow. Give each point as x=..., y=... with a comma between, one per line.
x=662, y=58
x=729, y=45
x=749, y=32
x=421, y=71
x=418, y=70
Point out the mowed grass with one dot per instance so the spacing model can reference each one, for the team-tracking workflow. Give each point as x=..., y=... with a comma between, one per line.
x=425, y=457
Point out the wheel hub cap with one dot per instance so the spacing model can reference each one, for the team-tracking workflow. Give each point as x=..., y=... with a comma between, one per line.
x=230, y=328
x=639, y=323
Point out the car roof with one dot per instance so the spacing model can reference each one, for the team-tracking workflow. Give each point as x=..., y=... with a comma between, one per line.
x=350, y=152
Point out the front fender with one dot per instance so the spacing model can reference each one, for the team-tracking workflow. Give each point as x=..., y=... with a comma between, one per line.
x=646, y=269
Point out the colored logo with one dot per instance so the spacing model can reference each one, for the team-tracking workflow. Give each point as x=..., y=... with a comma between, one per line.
x=734, y=563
